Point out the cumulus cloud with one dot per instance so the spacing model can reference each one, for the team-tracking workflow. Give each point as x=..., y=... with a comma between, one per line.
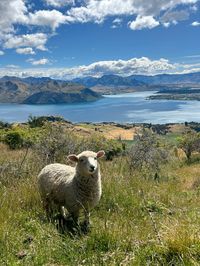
x=141, y=65
x=15, y=12
x=142, y=13
x=12, y=12
x=143, y=22
x=48, y=18
x=195, y=24
x=60, y=3
x=97, y=11
x=37, y=40
x=42, y=61
x=26, y=50
x=1, y=53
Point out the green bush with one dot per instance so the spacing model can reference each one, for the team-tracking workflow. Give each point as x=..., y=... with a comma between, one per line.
x=34, y=121
x=189, y=142
x=20, y=137
x=14, y=140
x=4, y=125
x=56, y=143
x=148, y=153
x=98, y=142
x=40, y=121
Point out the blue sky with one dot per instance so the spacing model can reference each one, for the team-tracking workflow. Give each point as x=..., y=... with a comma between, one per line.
x=70, y=38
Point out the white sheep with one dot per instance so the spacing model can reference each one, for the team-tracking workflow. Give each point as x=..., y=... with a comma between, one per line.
x=74, y=188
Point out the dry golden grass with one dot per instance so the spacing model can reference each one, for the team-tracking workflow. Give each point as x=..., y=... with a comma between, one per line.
x=108, y=131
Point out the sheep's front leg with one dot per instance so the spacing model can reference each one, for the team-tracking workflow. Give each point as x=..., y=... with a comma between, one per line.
x=85, y=227
x=87, y=216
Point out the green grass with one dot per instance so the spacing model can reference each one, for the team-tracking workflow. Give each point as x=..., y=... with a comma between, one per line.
x=138, y=221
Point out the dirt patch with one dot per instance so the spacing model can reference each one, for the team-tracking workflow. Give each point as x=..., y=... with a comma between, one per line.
x=108, y=131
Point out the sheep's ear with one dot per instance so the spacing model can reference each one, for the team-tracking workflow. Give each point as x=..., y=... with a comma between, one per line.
x=100, y=154
x=73, y=158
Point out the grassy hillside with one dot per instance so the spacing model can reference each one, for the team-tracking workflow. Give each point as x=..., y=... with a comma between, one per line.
x=139, y=221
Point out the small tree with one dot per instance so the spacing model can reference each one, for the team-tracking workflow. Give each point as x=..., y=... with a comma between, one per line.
x=148, y=153
x=189, y=142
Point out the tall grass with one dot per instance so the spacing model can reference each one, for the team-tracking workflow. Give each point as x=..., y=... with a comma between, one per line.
x=138, y=221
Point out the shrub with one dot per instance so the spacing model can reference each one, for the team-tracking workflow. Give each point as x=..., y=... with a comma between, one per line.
x=4, y=125
x=34, y=121
x=14, y=140
x=20, y=136
x=56, y=143
x=97, y=142
x=40, y=121
x=189, y=142
x=148, y=153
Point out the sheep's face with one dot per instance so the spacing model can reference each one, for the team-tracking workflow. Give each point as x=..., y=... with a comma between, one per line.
x=87, y=162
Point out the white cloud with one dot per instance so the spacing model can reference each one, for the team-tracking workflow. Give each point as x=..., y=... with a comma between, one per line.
x=1, y=52
x=42, y=61
x=173, y=17
x=12, y=66
x=141, y=65
x=59, y=3
x=97, y=10
x=192, y=56
x=127, y=67
x=147, y=13
x=195, y=23
x=117, y=23
x=26, y=50
x=12, y=12
x=166, y=24
x=37, y=40
x=133, y=66
x=15, y=12
x=142, y=13
x=49, y=18
x=143, y=22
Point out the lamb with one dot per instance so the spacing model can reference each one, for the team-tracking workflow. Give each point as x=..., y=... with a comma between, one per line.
x=72, y=188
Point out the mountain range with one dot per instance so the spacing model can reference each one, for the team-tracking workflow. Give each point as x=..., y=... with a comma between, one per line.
x=140, y=80
x=43, y=91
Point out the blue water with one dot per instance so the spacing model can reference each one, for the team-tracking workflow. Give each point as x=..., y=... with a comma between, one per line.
x=130, y=107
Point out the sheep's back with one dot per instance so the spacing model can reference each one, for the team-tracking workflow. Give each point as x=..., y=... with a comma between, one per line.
x=54, y=180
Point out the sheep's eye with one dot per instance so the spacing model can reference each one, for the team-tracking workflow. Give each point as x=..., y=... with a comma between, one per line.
x=81, y=160
x=95, y=158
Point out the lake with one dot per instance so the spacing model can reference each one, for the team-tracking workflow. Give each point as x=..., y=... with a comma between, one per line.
x=129, y=107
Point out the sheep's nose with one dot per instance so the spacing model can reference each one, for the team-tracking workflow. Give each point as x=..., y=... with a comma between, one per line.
x=92, y=167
